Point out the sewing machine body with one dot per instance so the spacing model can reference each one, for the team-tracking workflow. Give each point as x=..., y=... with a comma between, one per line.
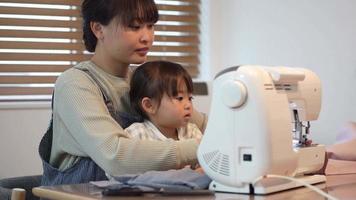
x=249, y=132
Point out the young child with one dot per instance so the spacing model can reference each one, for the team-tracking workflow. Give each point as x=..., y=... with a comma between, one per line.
x=161, y=92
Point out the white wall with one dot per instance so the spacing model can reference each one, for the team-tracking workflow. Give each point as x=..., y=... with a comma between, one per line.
x=22, y=126
x=319, y=35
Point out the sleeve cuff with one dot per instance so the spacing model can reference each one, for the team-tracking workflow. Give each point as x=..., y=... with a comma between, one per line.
x=187, y=152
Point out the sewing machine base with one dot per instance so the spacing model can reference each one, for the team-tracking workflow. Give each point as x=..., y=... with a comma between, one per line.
x=267, y=186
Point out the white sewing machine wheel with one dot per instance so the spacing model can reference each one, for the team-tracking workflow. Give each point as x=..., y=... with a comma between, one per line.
x=233, y=93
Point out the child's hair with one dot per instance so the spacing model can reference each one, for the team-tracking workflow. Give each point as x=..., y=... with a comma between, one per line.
x=154, y=79
x=125, y=11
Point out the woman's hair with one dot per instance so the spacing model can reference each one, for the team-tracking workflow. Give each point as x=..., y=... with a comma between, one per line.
x=154, y=79
x=125, y=11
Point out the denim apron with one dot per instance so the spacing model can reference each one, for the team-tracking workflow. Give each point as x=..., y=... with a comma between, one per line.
x=84, y=170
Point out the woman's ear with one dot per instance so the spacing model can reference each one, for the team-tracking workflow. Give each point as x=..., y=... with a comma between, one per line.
x=148, y=105
x=97, y=29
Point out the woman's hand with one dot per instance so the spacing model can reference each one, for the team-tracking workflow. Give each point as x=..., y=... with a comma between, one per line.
x=199, y=170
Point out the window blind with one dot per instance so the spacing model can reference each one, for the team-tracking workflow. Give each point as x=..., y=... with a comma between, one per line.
x=40, y=39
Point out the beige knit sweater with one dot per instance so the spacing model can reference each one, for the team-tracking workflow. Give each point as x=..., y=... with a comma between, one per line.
x=83, y=127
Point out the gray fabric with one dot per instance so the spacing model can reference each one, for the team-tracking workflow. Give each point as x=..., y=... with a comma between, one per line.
x=24, y=182
x=185, y=178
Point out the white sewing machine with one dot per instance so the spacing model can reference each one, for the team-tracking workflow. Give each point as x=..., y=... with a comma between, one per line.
x=258, y=125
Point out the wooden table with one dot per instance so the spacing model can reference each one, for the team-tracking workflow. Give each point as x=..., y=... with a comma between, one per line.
x=340, y=186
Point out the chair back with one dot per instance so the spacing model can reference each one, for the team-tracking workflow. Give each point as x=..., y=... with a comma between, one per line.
x=19, y=188
x=18, y=194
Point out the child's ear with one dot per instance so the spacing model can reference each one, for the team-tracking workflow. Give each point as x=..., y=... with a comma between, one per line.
x=97, y=29
x=148, y=105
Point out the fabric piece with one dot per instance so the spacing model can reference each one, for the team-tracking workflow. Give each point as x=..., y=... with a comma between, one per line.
x=105, y=184
x=185, y=178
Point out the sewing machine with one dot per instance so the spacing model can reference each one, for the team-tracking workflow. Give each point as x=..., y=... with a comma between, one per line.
x=259, y=124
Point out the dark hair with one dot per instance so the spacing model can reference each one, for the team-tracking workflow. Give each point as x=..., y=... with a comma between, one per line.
x=126, y=11
x=154, y=79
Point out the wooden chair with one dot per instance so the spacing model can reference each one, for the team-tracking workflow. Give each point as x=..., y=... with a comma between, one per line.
x=18, y=194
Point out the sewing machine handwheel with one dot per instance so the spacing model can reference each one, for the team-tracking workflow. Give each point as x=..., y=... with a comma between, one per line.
x=233, y=93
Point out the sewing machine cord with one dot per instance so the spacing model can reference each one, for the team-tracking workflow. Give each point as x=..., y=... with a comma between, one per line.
x=319, y=191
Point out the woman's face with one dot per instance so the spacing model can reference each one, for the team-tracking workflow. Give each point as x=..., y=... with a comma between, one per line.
x=127, y=45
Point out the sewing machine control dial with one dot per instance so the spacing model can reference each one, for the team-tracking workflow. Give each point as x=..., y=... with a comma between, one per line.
x=234, y=93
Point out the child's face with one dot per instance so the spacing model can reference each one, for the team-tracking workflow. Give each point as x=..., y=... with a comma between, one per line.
x=175, y=112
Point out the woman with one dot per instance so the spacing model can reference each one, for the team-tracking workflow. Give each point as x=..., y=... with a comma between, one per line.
x=91, y=105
